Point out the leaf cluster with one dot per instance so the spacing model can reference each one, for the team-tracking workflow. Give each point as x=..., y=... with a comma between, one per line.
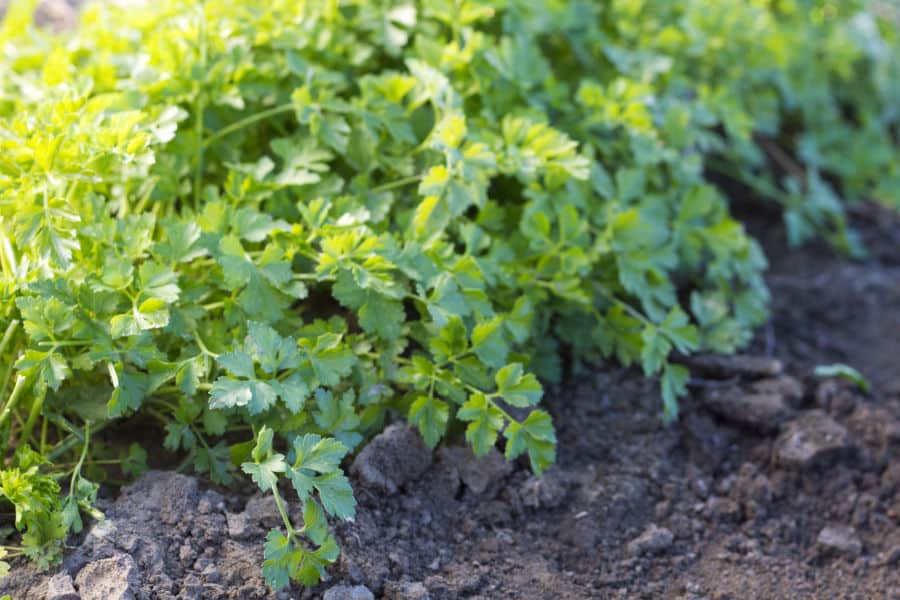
x=270, y=228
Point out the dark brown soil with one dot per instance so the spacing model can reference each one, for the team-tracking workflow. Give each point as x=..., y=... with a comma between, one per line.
x=770, y=486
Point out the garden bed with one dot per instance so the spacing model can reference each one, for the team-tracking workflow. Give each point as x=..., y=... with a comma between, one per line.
x=799, y=502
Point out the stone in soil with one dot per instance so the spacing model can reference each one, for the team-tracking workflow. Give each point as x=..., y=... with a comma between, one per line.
x=812, y=440
x=741, y=365
x=477, y=473
x=393, y=457
x=546, y=491
x=60, y=587
x=347, y=592
x=654, y=540
x=113, y=578
x=764, y=406
x=407, y=591
x=840, y=540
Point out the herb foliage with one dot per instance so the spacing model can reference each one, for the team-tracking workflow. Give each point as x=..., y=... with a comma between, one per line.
x=272, y=226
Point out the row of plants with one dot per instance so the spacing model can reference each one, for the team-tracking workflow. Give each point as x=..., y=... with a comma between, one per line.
x=271, y=227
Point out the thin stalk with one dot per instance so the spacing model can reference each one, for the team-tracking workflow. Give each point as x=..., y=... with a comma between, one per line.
x=64, y=343
x=284, y=515
x=76, y=473
x=396, y=184
x=5, y=431
x=203, y=347
x=8, y=371
x=43, y=445
x=71, y=441
x=8, y=334
x=18, y=388
x=36, y=409
x=199, y=109
x=490, y=398
x=7, y=256
x=247, y=121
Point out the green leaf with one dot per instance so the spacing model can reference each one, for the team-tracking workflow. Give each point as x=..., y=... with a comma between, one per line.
x=314, y=522
x=128, y=392
x=159, y=282
x=229, y=393
x=237, y=363
x=331, y=360
x=265, y=282
x=451, y=340
x=518, y=388
x=303, y=161
x=216, y=460
x=280, y=560
x=336, y=495
x=673, y=384
x=266, y=464
x=50, y=368
x=317, y=466
x=488, y=342
x=536, y=436
x=270, y=350
x=338, y=416
x=293, y=391
x=382, y=316
x=314, y=452
x=844, y=372
x=430, y=415
x=485, y=421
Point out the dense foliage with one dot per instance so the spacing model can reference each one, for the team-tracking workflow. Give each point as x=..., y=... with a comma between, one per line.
x=272, y=226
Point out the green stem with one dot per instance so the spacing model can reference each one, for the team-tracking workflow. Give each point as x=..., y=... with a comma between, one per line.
x=8, y=371
x=36, y=408
x=174, y=389
x=13, y=399
x=199, y=109
x=76, y=473
x=200, y=437
x=247, y=121
x=71, y=441
x=284, y=515
x=105, y=461
x=396, y=184
x=759, y=185
x=7, y=262
x=490, y=398
x=63, y=343
x=8, y=334
x=43, y=445
x=203, y=347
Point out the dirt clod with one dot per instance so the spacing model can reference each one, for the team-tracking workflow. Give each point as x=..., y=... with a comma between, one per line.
x=392, y=458
x=654, y=540
x=840, y=539
x=764, y=411
x=723, y=366
x=812, y=439
x=408, y=591
x=113, y=578
x=346, y=592
x=477, y=473
x=547, y=491
x=60, y=587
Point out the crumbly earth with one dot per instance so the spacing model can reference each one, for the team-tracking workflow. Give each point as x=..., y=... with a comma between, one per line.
x=773, y=484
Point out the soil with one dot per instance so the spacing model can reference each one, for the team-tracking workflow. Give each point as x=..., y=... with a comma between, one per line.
x=773, y=484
